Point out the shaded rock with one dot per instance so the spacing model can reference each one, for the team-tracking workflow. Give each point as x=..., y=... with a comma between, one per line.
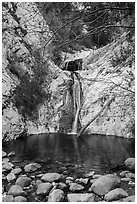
x=81, y=197
x=39, y=175
x=123, y=173
x=62, y=185
x=7, y=166
x=32, y=167
x=3, y=177
x=20, y=199
x=4, y=154
x=92, y=180
x=104, y=184
x=68, y=181
x=74, y=187
x=129, y=199
x=130, y=164
x=11, y=154
x=44, y=188
x=56, y=196
x=16, y=171
x=50, y=177
x=16, y=190
x=11, y=177
x=23, y=181
x=8, y=198
x=125, y=179
x=115, y=194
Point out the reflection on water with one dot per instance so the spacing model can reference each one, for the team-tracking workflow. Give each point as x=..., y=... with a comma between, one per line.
x=94, y=151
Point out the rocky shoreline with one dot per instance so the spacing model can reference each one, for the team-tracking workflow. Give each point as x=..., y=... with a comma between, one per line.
x=36, y=182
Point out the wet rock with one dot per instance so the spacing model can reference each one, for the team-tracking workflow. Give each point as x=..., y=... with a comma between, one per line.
x=8, y=198
x=44, y=188
x=23, y=181
x=104, y=184
x=123, y=173
x=56, y=196
x=5, y=160
x=16, y=190
x=3, y=177
x=74, y=187
x=20, y=199
x=130, y=164
x=81, y=197
x=11, y=177
x=32, y=167
x=4, y=154
x=7, y=166
x=62, y=186
x=16, y=171
x=11, y=154
x=82, y=180
x=125, y=179
x=115, y=194
x=50, y=177
x=129, y=199
x=130, y=175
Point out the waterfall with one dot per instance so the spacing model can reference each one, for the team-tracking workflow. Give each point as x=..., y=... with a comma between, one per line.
x=77, y=92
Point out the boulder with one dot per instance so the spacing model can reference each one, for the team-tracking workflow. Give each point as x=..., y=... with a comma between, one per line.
x=96, y=176
x=4, y=154
x=130, y=164
x=74, y=187
x=32, y=167
x=5, y=160
x=7, y=166
x=82, y=180
x=20, y=199
x=56, y=196
x=125, y=179
x=16, y=171
x=130, y=175
x=11, y=177
x=90, y=174
x=104, y=184
x=8, y=198
x=129, y=199
x=50, y=177
x=43, y=188
x=23, y=181
x=16, y=190
x=81, y=197
x=115, y=194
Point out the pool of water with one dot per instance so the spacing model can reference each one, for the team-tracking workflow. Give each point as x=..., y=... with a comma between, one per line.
x=94, y=152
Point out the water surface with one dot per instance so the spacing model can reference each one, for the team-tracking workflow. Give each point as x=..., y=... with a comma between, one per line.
x=94, y=152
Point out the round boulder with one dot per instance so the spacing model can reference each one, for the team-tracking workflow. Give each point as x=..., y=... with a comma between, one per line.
x=74, y=187
x=16, y=171
x=115, y=194
x=11, y=177
x=44, y=188
x=32, y=167
x=7, y=166
x=104, y=184
x=8, y=198
x=23, y=181
x=20, y=199
x=16, y=190
x=4, y=154
x=50, y=177
x=56, y=196
x=81, y=197
x=130, y=164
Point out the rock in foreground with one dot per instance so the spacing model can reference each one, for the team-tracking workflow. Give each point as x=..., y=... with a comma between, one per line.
x=50, y=177
x=115, y=194
x=56, y=196
x=81, y=197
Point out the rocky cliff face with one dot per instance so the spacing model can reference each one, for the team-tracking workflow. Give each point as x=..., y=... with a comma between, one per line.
x=105, y=71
